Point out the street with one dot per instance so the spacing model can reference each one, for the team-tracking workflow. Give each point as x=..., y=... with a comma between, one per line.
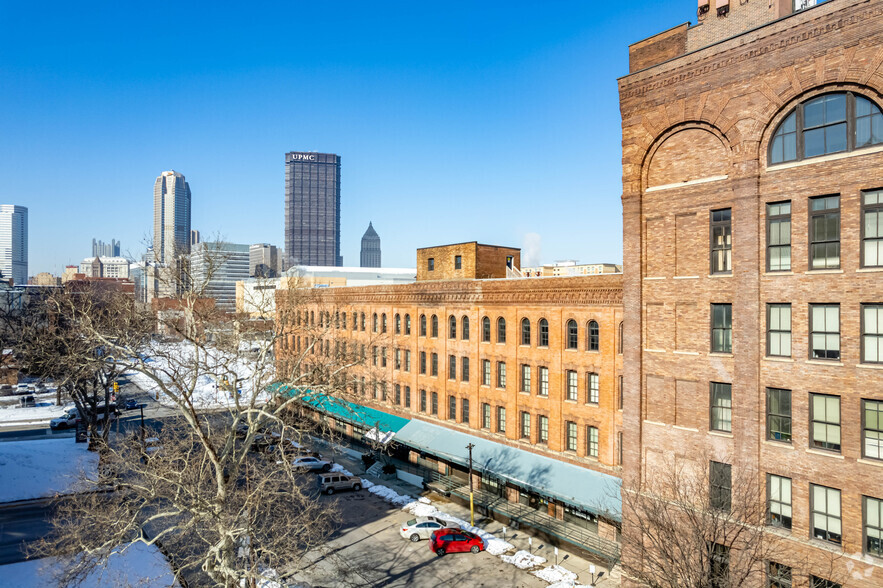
x=21, y=524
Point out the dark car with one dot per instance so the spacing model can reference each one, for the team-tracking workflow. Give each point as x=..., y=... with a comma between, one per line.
x=454, y=541
x=131, y=404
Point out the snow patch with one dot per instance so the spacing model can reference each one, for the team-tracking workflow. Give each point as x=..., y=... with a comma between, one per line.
x=524, y=560
x=556, y=575
x=37, y=469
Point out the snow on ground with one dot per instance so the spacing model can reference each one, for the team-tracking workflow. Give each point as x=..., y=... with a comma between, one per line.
x=208, y=392
x=139, y=565
x=524, y=560
x=492, y=544
x=11, y=416
x=36, y=469
x=556, y=575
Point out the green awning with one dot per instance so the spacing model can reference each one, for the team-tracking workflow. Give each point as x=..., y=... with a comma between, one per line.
x=355, y=414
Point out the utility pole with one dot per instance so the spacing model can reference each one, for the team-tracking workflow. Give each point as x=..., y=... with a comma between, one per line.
x=471, y=501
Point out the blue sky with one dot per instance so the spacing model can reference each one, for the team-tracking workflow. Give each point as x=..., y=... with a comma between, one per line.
x=455, y=121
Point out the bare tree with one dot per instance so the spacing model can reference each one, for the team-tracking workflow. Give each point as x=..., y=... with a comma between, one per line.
x=214, y=483
x=702, y=522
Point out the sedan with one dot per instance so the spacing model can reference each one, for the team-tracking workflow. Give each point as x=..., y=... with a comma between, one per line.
x=311, y=463
x=454, y=541
x=131, y=404
x=421, y=528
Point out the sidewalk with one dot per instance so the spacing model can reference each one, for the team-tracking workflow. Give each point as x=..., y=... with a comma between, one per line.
x=521, y=538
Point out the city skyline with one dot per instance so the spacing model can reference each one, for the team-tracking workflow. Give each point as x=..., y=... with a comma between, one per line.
x=428, y=113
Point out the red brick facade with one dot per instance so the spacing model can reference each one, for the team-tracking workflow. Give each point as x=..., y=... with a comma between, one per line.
x=697, y=138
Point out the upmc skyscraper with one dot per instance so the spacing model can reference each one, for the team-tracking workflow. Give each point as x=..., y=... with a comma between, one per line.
x=312, y=208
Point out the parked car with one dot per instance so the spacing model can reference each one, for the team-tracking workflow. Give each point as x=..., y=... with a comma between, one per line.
x=310, y=463
x=69, y=419
x=131, y=404
x=454, y=541
x=332, y=482
x=421, y=528
x=26, y=401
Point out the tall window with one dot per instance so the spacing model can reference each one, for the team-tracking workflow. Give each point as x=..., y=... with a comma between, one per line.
x=398, y=358
x=825, y=422
x=430, y=264
x=452, y=367
x=485, y=415
x=485, y=372
x=464, y=411
x=458, y=262
x=464, y=329
x=452, y=408
x=407, y=324
x=778, y=341
x=778, y=231
x=592, y=441
x=407, y=360
x=374, y=322
x=434, y=365
x=422, y=362
x=501, y=419
x=572, y=389
x=721, y=407
x=434, y=326
x=383, y=323
x=542, y=429
x=719, y=564
x=778, y=575
x=423, y=401
x=434, y=404
x=407, y=397
x=452, y=327
x=525, y=331
x=397, y=324
x=486, y=330
x=779, y=501
x=544, y=381
x=826, y=518
x=824, y=326
x=872, y=429
x=722, y=328
x=830, y=123
x=525, y=425
x=570, y=442
x=721, y=241
x=816, y=582
x=362, y=322
x=501, y=374
x=572, y=334
x=593, y=388
x=873, y=516
x=594, y=336
x=464, y=369
x=398, y=390
x=501, y=330
x=720, y=485
x=543, y=340
x=872, y=333
x=778, y=414
x=872, y=228
x=525, y=378
x=824, y=232
x=619, y=343
x=422, y=325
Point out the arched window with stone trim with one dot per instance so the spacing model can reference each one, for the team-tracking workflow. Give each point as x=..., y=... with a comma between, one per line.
x=594, y=336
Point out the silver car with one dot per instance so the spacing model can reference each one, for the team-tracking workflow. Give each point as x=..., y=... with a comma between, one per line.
x=422, y=527
x=305, y=463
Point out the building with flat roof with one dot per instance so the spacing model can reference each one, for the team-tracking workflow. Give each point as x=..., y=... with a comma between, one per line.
x=312, y=208
x=14, y=243
x=171, y=216
x=216, y=267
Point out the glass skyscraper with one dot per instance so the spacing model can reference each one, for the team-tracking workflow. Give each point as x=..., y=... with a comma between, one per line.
x=14, y=243
x=312, y=208
x=370, y=248
x=171, y=217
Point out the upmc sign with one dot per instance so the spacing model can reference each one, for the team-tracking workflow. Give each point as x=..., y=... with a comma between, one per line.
x=303, y=157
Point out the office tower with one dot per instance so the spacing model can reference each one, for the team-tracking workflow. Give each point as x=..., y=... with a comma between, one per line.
x=263, y=261
x=102, y=249
x=370, y=248
x=312, y=208
x=14, y=243
x=171, y=216
x=216, y=267
x=194, y=237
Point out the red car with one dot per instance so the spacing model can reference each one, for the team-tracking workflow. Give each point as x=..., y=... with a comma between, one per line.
x=454, y=541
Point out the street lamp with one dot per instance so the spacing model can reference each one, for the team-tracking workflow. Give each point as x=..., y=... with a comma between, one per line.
x=141, y=406
x=471, y=501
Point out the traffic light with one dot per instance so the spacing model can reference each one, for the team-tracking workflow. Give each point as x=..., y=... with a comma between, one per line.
x=116, y=387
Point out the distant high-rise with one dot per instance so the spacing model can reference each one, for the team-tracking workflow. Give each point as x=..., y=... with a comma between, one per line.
x=312, y=208
x=14, y=243
x=194, y=237
x=171, y=216
x=215, y=269
x=102, y=249
x=370, y=248
x=263, y=261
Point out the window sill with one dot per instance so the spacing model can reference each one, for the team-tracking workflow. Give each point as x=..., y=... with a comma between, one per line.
x=721, y=434
x=779, y=444
x=569, y=401
x=686, y=277
x=823, y=362
x=655, y=278
x=779, y=359
x=825, y=453
x=719, y=354
x=778, y=273
x=873, y=462
x=654, y=423
x=654, y=350
x=729, y=275
x=823, y=271
x=685, y=352
x=869, y=270
x=870, y=366
x=680, y=428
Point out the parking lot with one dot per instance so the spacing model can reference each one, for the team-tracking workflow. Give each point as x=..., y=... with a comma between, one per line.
x=367, y=550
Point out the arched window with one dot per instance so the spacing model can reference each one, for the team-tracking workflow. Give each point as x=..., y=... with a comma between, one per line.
x=407, y=324
x=501, y=330
x=312, y=318
x=830, y=123
x=594, y=341
x=464, y=329
x=619, y=345
x=383, y=323
x=486, y=330
x=572, y=334
x=543, y=340
x=525, y=331
x=434, y=326
x=452, y=327
x=363, y=321
x=398, y=324
x=422, y=325
x=374, y=322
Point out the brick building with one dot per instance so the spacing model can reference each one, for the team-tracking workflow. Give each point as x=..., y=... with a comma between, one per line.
x=752, y=169
x=527, y=370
